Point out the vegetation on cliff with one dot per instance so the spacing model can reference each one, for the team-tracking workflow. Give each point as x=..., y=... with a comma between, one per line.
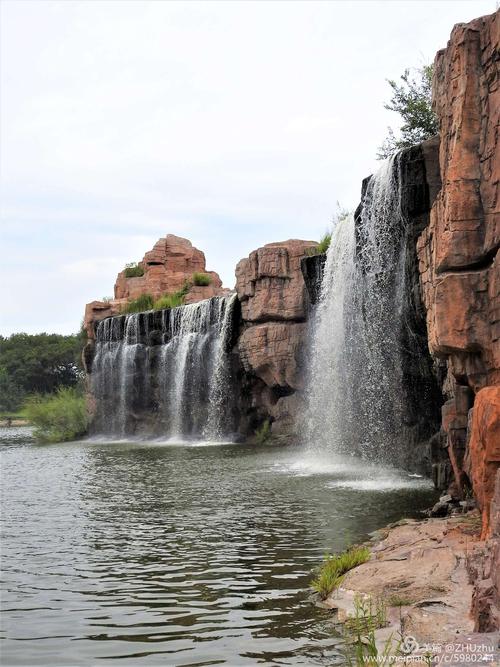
x=139, y=305
x=411, y=99
x=326, y=239
x=133, y=270
x=201, y=279
x=58, y=417
x=40, y=363
x=146, y=302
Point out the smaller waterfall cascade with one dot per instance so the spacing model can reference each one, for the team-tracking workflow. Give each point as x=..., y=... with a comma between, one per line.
x=362, y=329
x=166, y=373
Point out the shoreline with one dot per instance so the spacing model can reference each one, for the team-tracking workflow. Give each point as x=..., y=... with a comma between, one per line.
x=425, y=574
x=5, y=423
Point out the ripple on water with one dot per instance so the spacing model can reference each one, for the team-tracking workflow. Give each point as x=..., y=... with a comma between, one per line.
x=176, y=555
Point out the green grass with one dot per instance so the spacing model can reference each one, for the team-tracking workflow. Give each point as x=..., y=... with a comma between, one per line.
x=334, y=568
x=146, y=301
x=173, y=300
x=16, y=414
x=322, y=247
x=133, y=270
x=169, y=301
x=139, y=305
x=324, y=242
x=58, y=417
x=359, y=635
x=201, y=279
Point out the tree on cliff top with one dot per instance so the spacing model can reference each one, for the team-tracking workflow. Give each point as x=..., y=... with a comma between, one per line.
x=412, y=101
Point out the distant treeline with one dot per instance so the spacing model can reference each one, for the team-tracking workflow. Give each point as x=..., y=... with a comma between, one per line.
x=37, y=364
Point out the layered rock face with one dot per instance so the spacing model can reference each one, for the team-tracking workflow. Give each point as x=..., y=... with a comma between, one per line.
x=274, y=309
x=458, y=252
x=167, y=268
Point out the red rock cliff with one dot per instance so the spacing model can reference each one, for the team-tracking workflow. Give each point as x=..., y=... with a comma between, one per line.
x=458, y=252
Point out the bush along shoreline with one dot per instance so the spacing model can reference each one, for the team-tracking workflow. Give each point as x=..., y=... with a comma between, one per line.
x=58, y=417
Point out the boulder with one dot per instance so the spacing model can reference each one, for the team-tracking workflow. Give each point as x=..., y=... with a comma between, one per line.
x=271, y=351
x=270, y=284
x=483, y=456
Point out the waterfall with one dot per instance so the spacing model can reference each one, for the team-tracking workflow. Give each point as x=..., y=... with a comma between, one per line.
x=166, y=373
x=362, y=330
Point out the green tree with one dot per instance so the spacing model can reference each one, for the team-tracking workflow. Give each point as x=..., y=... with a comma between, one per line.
x=39, y=363
x=411, y=99
x=11, y=395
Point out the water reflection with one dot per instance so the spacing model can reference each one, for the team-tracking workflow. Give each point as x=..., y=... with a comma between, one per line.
x=175, y=555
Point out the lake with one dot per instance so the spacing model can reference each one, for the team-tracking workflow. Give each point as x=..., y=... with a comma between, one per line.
x=156, y=553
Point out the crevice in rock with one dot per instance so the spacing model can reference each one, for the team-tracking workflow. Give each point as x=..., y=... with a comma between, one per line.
x=474, y=267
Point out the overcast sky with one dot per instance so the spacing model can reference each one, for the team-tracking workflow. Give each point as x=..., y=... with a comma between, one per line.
x=233, y=124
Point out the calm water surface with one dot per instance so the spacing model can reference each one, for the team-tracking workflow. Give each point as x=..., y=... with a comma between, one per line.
x=161, y=554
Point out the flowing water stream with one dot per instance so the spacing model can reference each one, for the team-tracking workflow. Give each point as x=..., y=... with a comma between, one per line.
x=362, y=333
x=161, y=554
x=165, y=373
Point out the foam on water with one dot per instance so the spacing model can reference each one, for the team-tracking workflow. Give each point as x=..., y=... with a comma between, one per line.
x=352, y=473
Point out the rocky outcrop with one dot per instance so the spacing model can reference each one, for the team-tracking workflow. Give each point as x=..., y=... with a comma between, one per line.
x=483, y=451
x=270, y=284
x=167, y=268
x=426, y=574
x=170, y=263
x=484, y=571
x=274, y=309
x=458, y=252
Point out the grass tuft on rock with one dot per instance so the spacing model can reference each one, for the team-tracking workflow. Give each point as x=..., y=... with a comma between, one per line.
x=324, y=242
x=172, y=300
x=58, y=417
x=142, y=303
x=169, y=301
x=322, y=247
x=133, y=270
x=361, y=647
x=201, y=279
x=334, y=568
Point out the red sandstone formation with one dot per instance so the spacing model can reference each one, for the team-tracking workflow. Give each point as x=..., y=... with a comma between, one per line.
x=484, y=571
x=274, y=306
x=458, y=251
x=483, y=456
x=167, y=267
x=270, y=284
x=171, y=262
